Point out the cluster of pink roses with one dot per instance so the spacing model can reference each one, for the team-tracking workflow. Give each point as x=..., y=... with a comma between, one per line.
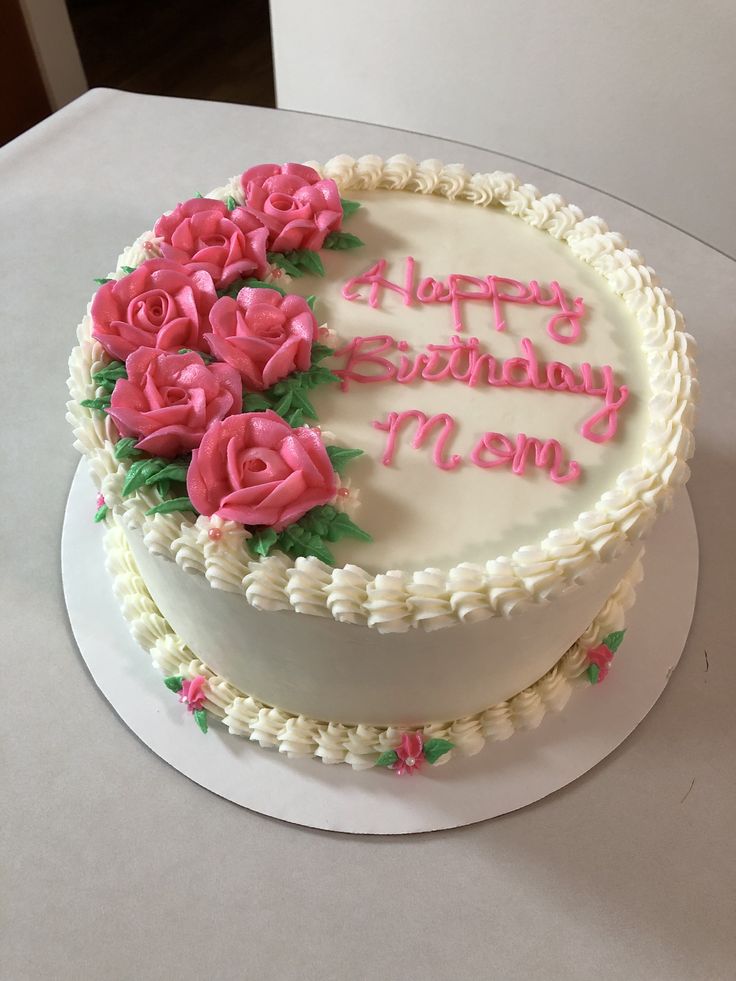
x=165, y=315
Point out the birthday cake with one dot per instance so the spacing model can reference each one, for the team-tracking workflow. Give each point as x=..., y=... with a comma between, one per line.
x=377, y=444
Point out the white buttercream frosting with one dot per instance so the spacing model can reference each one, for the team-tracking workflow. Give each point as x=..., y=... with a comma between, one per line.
x=358, y=745
x=394, y=601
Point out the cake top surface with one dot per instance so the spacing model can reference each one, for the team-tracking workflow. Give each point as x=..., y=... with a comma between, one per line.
x=520, y=387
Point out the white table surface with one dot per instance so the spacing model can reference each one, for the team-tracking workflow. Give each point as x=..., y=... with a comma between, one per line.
x=114, y=866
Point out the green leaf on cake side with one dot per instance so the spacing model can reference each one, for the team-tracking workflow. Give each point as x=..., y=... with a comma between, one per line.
x=388, y=758
x=200, y=717
x=340, y=456
x=101, y=513
x=101, y=280
x=341, y=241
x=174, y=682
x=593, y=673
x=349, y=207
x=613, y=640
x=311, y=300
x=231, y=203
x=127, y=270
x=435, y=748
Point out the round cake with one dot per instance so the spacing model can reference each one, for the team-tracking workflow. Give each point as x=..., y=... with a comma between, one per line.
x=377, y=444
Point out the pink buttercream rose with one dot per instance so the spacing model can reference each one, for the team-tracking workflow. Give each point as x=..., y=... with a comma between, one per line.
x=263, y=335
x=203, y=234
x=158, y=305
x=298, y=208
x=169, y=401
x=255, y=469
x=410, y=753
x=192, y=692
x=601, y=656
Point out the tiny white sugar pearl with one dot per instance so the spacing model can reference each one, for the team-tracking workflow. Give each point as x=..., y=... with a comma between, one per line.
x=410, y=761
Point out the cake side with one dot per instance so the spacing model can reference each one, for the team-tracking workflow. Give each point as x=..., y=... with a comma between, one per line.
x=361, y=746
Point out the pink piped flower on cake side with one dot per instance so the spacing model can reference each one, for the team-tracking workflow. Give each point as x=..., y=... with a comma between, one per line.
x=201, y=234
x=600, y=657
x=159, y=305
x=295, y=204
x=256, y=469
x=263, y=335
x=169, y=401
x=191, y=693
x=412, y=752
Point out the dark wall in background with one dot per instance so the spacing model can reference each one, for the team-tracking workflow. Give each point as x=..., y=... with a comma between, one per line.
x=25, y=102
x=218, y=50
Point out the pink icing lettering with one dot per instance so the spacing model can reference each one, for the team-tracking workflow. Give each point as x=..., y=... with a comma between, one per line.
x=458, y=289
x=425, y=425
x=547, y=455
x=366, y=351
x=505, y=454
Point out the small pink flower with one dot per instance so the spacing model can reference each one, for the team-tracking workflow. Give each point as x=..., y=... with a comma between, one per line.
x=100, y=501
x=255, y=469
x=202, y=234
x=169, y=401
x=263, y=335
x=192, y=692
x=298, y=208
x=160, y=304
x=601, y=657
x=410, y=753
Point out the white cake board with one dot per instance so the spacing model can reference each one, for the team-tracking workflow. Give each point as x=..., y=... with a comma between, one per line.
x=501, y=778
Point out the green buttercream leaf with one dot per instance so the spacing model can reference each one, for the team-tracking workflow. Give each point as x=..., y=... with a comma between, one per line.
x=320, y=352
x=613, y=640
x=102, y=280
x=340, y=241
x=231, y=203
x=311, y=300
x=388, y=758
x=262, y=541
x=593, y=672
x=174, y=682
x=127, y=270
x=200, y=717
x=435, y=748
x=140, y=471
x=101, y=513
x=175, y=504
x=349, y=207
x=295, y=418
x=98, y=404
x=308, y=260
x=199, y=194
x=300, y=400
x=343, y=526
x=280, y=260
x=125, y=449
x=284, y=404
x=340, y=456
x=254, y=402
x=173, y=471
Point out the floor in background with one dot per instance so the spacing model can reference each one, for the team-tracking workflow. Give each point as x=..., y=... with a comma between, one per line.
x=220, y=50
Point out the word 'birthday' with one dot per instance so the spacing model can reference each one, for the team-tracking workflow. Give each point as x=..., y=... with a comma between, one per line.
x=563, y=326
x=463, y=360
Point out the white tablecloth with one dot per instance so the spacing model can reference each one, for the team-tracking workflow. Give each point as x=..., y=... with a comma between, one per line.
x=115, y=866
